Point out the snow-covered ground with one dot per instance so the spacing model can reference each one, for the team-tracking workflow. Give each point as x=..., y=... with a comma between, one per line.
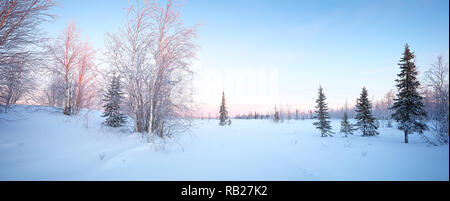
x=37, y=143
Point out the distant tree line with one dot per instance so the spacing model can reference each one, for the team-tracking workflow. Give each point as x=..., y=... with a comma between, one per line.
x=411, y=105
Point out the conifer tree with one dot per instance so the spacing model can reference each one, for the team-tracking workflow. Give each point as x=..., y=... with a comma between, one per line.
x=346, y=126
x=365, y=121
x=322, y=115
x=223, y=113
x=408, y=106
x=113, y=98
x=276, y=116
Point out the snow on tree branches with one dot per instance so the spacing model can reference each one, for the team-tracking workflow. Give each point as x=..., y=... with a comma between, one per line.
x=223, y=113
x=73, y=63
x=408, y=106
x=20, y=40
x=366, y=123
x=113, y=99
x=346, y=126
x=322, y=115
x=437, y=103
x=153, y=53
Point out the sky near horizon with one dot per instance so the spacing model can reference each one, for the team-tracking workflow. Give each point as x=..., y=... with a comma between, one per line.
x=264, y=53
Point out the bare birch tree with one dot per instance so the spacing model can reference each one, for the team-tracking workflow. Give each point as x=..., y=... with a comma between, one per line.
x=436, y=79
x=128, y=52
x=16, y=80
x=65, y=54
x=153, y=54
x=172, y=53
x=20, y=39
x=72, y=63
x=86, y=82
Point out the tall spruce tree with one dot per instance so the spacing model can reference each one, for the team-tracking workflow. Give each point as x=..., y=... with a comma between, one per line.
x=408, y=106
x=346, y=126
x=223, y=113
x=365, y=121
x=113, y=98
x=322, y=115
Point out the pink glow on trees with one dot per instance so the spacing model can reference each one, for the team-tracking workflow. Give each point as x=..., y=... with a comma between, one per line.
x=20, y=38
x=86, y=78
x=72, y=63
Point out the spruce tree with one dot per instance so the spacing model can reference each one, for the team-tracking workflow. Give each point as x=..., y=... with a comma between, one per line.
x=223, y=113
x=322, y=115
x=365, y=121
x=408, y=106
x=346, y=126
x=113, y=98
x=276, y=116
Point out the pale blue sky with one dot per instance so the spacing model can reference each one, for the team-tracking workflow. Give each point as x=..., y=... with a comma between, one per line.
x=340, y=44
